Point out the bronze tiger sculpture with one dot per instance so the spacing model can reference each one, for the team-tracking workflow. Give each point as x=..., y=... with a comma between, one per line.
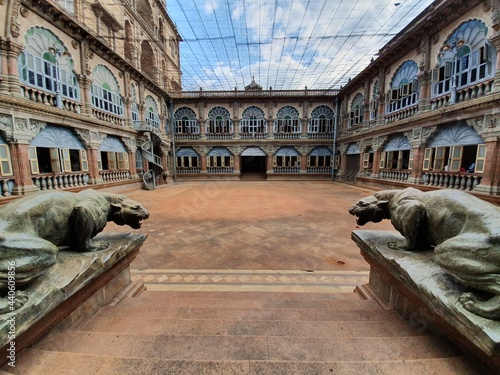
x=464, y=229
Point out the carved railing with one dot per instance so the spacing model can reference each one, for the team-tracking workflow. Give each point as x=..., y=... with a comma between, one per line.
x=220, y=170
x=286, y=135
x=451, y=180
x=319, y=170
x=320, y=135
x=188, y=170
x=114, y=176
x=6, y=186
x=394, y=174
x=401, y=114
x=286, y=170
x=220, y=136
x=253, y=135
x=189, y=136
x=58, y=181
x=474, y=91
x=108, y=117
x=39, y=96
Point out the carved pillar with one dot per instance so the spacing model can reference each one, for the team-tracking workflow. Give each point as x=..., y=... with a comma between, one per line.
x=203, y=163
x=303, y=163
x=93, y=156
x=10, y=72
x=236, y=125
x=490, y=182
x=424, y=103
x=236, y=165
x=85, y=85
x=496, y=42
x=376, y=161
x=269, y=164
x=22, y=170
x=418, y=159
x=270, y=129
x=203, y=129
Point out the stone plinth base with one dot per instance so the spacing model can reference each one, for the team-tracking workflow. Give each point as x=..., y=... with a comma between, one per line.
x=414, y=285
x=78, y=284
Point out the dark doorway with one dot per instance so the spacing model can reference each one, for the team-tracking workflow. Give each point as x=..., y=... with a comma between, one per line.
x=253, y=167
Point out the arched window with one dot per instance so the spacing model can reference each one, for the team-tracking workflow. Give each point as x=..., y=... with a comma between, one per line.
x=129, y=41
x=356, y=115
x=57, y=150
x=148, y=63
x=188, y=161
x=186, y=122
x=152, y=116
x=106, y=91
x=112, y=155
x=144, y=10
x=287, y=123
x=220, y=160
x=404, y=87
x=46, y=64
x=374, y=100
x=286, y=160
x=319, y=160
x=253, y=123
x=397, y=154
x=219, y=122
x=134, y=107
x=466, y=58
x=321, y=122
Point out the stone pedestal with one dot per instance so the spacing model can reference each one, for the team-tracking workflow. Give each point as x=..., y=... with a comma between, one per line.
x=414, y=285
x=78, y=284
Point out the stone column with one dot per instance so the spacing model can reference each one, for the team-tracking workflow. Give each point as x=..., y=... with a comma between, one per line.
x=10, y=55
x=236, y=129
x=85, y=85
x=424, y=79
x=490, y=182
x=303, y=163
x=93, y=156
x=203, y=159
x=236, y=164
x=496, y=42
x=418, y=159
x=270, y=129
x=269, y=164
x=376, y=161
x=23, y=184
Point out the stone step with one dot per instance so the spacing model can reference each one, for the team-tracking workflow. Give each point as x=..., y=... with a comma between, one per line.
x=41, y=362
x=246, y=347
x=157, y=299
x=176, y=327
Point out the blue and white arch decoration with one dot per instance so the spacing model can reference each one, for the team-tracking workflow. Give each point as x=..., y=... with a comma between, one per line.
x=321, y=151
x=219, y=113
x=253, y=112
x=287, y=116
x=38, y=66
x=253, y=151
x=186, y=151
x=184, y=113
x=397, y=142
x=112, y=144
x=152, y=116
x=353, y=149
x=469, y=36
x=105, y=91
x=219, y=151
x=287, y=151
x=57, y=137
x=406, y=74
x=456, y=135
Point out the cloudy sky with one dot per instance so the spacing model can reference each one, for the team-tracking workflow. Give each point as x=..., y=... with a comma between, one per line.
x=284, y=44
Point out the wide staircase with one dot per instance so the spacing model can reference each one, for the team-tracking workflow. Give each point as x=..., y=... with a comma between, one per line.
x=245, y=332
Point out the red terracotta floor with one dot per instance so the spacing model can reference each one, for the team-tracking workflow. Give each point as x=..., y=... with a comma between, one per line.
x=250, y=225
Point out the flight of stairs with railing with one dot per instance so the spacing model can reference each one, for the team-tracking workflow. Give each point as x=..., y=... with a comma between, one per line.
x=155, y=162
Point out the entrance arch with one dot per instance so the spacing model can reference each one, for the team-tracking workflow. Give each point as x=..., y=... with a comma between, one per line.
x=253, y=162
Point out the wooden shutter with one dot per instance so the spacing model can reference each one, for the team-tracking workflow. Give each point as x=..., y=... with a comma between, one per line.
x=410, y=160
x=33, y=160
x=5, y=162
x=54, y=160
x=456, y=158
x=480, y=158
x=427, y=159
x=439, y=156
x=231, y=161
x=66, y=159
x=383, y=155
x=99, y=161
x=84, y=163
x=366, y=160
x=111, y=161
x=209, y=161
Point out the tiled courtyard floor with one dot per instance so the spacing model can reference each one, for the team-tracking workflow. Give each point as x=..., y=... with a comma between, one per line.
x=266, y=233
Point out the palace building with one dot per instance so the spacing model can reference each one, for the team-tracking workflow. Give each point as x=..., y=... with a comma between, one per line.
x=90, y=96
